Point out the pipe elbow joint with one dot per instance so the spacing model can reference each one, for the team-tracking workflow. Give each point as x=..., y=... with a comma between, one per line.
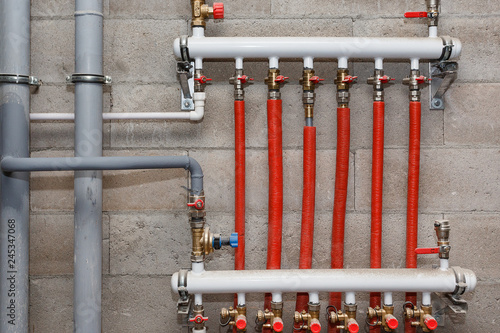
x=199, y=106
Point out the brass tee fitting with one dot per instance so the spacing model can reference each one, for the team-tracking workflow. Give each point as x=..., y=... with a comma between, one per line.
x=273, y=318
x=234, y=317
x=346, y=321
x=421, y=317
x=202, y=11
x=385, y=317
x=310, y=320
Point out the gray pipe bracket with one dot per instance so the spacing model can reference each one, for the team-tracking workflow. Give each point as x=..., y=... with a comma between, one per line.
x=443, y=74
x=88, y=78
x=20, y=79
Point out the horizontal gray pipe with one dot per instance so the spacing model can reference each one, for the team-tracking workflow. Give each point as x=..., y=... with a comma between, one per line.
x=14, y=164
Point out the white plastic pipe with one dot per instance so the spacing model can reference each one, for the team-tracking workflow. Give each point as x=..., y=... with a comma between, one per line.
x=426, y=299
x=241, y=299
x=196, y=115
x=338, y=280
x=350, y=298
x=388, y=298
x=444, y=264
x=318, y=47
x=277, y=298
x=314, y=297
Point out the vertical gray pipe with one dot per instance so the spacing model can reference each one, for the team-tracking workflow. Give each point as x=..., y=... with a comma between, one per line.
x=88, y=184
x=14, y=219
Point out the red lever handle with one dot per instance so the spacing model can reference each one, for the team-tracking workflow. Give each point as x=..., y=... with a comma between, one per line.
x=198, y=319
x=316, y=79
x=281, y=78
x=427, y=250
x=203, y=79
x=415, y=14
x=386, y=79
x=349, y=79
x=245, y=79
x=198, y=204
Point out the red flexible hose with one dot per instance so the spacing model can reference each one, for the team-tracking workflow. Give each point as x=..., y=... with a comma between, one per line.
x=412, y=206
x=308, y=203
x=239, y=219
x=340, y=199
x=377, y=190
x=275, y=138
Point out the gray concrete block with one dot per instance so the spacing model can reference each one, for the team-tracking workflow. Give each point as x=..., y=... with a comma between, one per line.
x=139, y=50
x=138, y=304
x=49, y=296
x=450, y=180
x=342, y=8
x=52, y=49
x=468, y=116
x=479, y=39
x=473, y=243
x=464, y=6
x=51, y=245
x=52, y=8
x=150, y=9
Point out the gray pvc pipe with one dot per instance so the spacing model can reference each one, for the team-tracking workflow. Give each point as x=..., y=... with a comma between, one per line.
x=88, y=184
x=12, y=164
x=14, y=216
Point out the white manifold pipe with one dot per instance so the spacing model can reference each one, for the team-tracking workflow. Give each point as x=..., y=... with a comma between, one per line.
x=318, y=280
x=319, y=47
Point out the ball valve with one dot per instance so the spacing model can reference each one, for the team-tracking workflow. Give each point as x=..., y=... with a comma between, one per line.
x=420, y=317
x=346, y=321
x=211, y=241
x=234, y=317
x=202, y=11
x=309, y=322
x=385, y=318
x=273, y=318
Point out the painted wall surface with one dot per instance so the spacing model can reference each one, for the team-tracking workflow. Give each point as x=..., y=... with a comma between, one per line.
x=146, y=235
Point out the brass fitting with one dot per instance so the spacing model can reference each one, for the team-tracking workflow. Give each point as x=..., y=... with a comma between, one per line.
x=202, y=11
x=344, y=82
x=234, y=317
x=198, y=317
x=385, y=317
x=433, y=12
x=309, y=82
x=345, y=321
x=415, y=82
x=421, y=318
x=379, y=82
x=238, y=80
x=310, y=320
x=274, y=81
x=197, y=253
x=197, y=214
x=442, y=228
x=271, y=319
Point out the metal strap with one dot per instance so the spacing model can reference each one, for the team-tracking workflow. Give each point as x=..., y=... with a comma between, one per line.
x=182, y=284
x=183, y=41
x=20, y=79
x=89, y=78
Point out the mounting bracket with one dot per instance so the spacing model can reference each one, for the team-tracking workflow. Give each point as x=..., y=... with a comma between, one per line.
x=185, y=72
x=443, y=74
x=452, y=307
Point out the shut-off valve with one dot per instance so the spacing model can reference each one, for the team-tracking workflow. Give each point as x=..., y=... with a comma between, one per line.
x=432, y=13
x=346, y=321
x=271, y=319
x=202, y=11
x=309, y=320
x=384, y=318
x=420, y=317
x=234, y=317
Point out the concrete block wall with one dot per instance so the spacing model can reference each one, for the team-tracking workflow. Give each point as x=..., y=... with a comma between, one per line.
x=146, y=236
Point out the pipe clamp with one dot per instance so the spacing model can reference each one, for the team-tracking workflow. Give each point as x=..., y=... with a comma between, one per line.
x=20, y=79
x=88, y=78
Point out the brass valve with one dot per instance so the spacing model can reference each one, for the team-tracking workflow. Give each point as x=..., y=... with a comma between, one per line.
x=442, y=228
x=198, y=318
x=432, y=13
x=202, y=11
x=379, y=80
x=344, y=321
x=415, y=81
x=239, y=80
x=310, y=321
x=344, y=82
x=234, y=317
x=271, y=319
x=385, y=317
x=309, y=81
x=420, y=317
x=274, y=81
x=210, y=241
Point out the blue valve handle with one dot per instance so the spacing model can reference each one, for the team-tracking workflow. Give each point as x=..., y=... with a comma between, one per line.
x=218, y=241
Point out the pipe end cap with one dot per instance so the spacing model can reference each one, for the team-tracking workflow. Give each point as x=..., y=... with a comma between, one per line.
x=315, y=326
x=392, y=322
x=218, y=10
x=278, y=325
x=431, y=323
x=233, y=240
x=241, y=322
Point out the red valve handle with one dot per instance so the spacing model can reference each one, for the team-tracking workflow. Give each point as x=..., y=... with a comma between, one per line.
x=415, y=14
x=316, y=79
x=386, y=79
x=241, y=322
x=315, y=326
x=281, y=78
x=203, y=79
x=198, y=204
x=278, y=325
x=427, y=250
x=421, y=79
x=349, y=79
x=391, y=321
x=245, y=79
x=430, y=322
x=218, y=10
x=198, y=319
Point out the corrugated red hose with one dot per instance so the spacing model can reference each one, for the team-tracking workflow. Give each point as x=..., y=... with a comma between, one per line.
x=239, y=196
x=377, y=190
x=340, y=199
x=412, y=206
x=308, y=202
x=275, y=142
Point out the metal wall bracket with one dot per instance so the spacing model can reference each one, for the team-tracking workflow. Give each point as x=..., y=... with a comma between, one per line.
x=185, y=71
x=443, y=74
x=88, y=78
x=447, y=306
x=20, y=79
